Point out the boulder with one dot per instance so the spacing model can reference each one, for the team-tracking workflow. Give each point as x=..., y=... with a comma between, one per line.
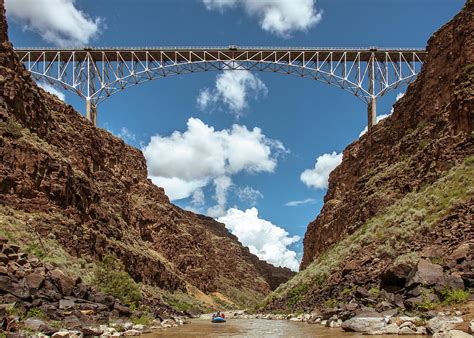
x=425, y=273
x=443, y=324
x=362, y=293
x=365, y=323
x=67, y=334
x=19, y=290
x=49, y=292
x=34, y=324
x=454, y=281
x=51, y=311
x=350, y=266
x=65, y=304
x=63, y=282
x=414, y=302
x=34, y=280
x=471, y=327
x=168, y=323
x=10, y=249
x=107, y=300
x=461, y=252
x=391, y=329
x=406, y=331
x=395, y=275
x=3, y=258
x=452, y=334
x=398, y=301
x=80, y=291
x=123, y=310
x=138, y=327
x=351, y=306
x=404, y=319
x=132, y=333
x=72, y=322
x=92, y=331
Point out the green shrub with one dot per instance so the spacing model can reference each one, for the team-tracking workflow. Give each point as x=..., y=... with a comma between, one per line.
x=454, y=296
x=295, y=295
x=347, y=291
x=438, y=260
x=410, y=259
x=374, y=291
x=110, y=277
x=145, y=319
x=35, y=312
x=331, y=302
x=11, y=128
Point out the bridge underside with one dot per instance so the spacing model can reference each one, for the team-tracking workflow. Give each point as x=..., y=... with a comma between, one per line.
x=96, y=74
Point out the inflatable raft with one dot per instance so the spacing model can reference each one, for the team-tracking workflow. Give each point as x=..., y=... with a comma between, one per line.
x=218, y=320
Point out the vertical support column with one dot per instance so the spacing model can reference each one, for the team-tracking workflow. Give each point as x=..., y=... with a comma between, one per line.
x=91, y=106
x=372, y=105
x=88, y=108
x=91, y=111
x=372, y=113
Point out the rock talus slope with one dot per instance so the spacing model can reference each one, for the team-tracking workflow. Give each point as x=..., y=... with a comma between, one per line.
x=89, y=191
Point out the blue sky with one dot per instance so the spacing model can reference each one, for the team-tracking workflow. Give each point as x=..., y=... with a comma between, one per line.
x=309, y=118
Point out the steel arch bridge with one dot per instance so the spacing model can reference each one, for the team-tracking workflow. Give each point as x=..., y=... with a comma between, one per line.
x=97, y=73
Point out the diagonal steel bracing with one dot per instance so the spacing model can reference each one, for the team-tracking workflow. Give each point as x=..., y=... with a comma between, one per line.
x=97, y=73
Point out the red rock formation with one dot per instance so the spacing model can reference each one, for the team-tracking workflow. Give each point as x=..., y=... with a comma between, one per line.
x=429, y=131
x=89, y=190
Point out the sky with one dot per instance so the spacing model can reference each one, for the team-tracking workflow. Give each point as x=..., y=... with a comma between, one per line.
x=253, y=150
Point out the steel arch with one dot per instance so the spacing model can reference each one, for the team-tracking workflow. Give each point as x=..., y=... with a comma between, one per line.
x=97, y=73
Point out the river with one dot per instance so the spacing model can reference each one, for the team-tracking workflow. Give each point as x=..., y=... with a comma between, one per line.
x=253, y=328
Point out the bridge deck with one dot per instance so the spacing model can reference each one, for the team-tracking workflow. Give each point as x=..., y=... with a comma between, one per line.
x=192, y=54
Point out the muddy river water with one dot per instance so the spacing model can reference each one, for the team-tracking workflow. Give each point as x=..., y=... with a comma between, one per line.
x=252, y=328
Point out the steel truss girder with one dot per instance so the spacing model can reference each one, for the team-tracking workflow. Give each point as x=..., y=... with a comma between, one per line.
x=96, y=74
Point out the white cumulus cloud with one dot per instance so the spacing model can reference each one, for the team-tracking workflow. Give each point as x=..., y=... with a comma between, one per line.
x=233, y=88
x=280, y=17
x=50, y=89
x=198, y=198
x=318, y=176
x=126, y=135
x=222, y=184
x=184, y=162
x=249, y=195
x=300, y=202
x=264, y=239
x=58, y=22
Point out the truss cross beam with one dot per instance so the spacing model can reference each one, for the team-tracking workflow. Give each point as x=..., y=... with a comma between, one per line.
x=97, y=73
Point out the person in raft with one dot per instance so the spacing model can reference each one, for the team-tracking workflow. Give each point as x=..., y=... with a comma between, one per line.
x=218, y=314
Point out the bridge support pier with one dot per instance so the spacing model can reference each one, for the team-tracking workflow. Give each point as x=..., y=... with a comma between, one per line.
x=91, y=111
x=372, y=113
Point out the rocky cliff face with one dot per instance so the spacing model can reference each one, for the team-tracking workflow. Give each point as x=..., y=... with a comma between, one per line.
x=402, y=195
x=86, y=189
x=428, y=133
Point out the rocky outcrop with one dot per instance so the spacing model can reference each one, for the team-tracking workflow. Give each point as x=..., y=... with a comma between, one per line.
x=89, y=191
x=428, y=133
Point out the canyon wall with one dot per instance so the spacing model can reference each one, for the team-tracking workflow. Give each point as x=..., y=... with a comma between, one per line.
x=428, y=133
x=402, y=195
x=87, y=190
